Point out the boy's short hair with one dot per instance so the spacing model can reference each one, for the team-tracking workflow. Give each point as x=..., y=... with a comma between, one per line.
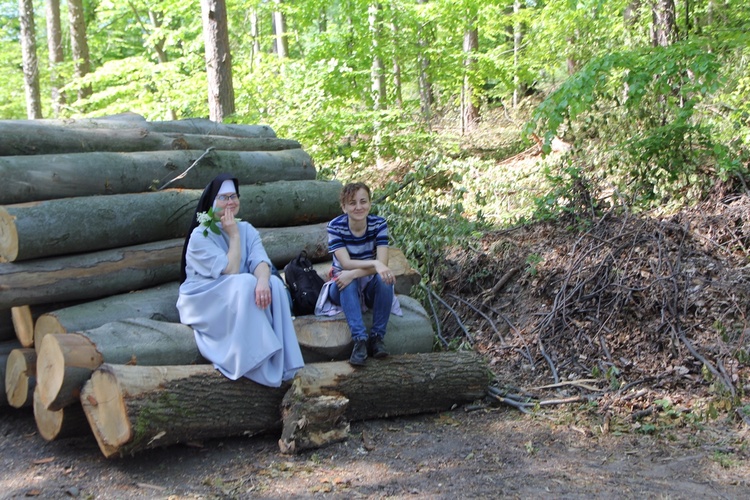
x=349, y=190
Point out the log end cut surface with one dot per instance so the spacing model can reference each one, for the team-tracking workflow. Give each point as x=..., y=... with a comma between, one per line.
x=105, y=410
x=8, y=237
x=20, y=377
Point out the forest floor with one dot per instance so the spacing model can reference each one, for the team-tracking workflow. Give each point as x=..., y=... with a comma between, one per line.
x=620, y=354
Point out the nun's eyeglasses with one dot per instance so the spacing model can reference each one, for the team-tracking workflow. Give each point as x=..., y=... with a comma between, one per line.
x=228, y=197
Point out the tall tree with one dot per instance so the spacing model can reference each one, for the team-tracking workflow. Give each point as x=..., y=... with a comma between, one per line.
x=426, y=94
x=55, y=50
x=377, y=70
x=79, y=44
x=664, y=29
x=218, y=59
x=30, y=62
x=279, y=28
x=469, y=107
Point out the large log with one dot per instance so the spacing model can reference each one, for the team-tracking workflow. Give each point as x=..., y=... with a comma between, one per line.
x=133, y=408
x=20, y=377
x=30, y=138
x=46, y=177
x=157, y=303
x=201, y=126
x=65, y=361
x=85, y=224
x=58, y=424
x=108, y=272
x=326, y=338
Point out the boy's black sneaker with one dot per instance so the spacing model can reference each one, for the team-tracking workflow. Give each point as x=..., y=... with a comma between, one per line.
x=359, y=353
x=377, y=348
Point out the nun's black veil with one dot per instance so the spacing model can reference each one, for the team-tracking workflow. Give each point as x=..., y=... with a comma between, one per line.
x=206, y=202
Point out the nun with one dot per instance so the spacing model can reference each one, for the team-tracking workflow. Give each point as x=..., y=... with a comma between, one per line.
x=239, y=311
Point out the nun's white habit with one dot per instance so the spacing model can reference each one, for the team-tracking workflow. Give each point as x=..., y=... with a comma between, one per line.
x=240, y=339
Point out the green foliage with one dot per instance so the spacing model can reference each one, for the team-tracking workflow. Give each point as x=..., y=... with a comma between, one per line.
x=643, y=114
x=425, y=211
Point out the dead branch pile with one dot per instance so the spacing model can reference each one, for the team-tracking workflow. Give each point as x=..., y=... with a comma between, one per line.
x=631, y=301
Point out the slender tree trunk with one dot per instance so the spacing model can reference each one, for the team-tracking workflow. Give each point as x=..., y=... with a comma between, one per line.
x=664, y=29
x=30, y=62
x=55, y=49
x=255, y=36
x=377, y=73
x=469, y=109
x=279, y=24
x=218, y=59
x=516, y=52
x=426, y=95
x=396, y=60
x=79, y=44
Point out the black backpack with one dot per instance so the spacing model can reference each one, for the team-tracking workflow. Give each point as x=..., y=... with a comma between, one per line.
x=304, y=284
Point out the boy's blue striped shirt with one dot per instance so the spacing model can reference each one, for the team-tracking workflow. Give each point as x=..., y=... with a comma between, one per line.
x=359, y=247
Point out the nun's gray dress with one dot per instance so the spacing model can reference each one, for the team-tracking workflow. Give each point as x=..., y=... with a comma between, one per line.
x=240, y=339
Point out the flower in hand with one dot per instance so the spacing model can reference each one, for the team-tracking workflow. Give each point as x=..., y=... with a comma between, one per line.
x=209, y=220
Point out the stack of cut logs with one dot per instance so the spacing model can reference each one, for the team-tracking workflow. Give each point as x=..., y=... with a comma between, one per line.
x=93, y=216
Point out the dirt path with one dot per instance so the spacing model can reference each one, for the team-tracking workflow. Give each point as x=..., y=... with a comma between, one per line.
x=458, y=454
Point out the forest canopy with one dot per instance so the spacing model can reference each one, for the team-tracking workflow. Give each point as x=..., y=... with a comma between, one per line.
x=651, y=95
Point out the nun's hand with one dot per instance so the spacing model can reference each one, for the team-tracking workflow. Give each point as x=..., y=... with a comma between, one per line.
x=229, y=223
x=262, y=293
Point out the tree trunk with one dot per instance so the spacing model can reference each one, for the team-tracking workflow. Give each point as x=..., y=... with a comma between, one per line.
x=55, y=49
x=133, y=408
x=30, y=61
x=65, y=361
x=664, y=30
x=79, y=44
x=109, y=272
x=426, y=94
x=127, y=219
x=469, y=108
x=20, y=377
x=158, y=303
x=279, y=28
x=45, y=177
x=59, y=424
x=218, y=59
x=31, y=138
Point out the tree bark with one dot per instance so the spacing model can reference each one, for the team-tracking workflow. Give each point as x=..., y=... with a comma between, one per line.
x=59, y=424
x=30, y=61
x=65, y=361
x=125, y=219
x=158, y=303
x=55, y=50
x=134, y=408
x=27, y=137
x=45, y=177
x=189, y=126
x=20, y=377
x=79, y=44
x=469, y=108
x=218, y=59
x=281, y=43
x=120, y=270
